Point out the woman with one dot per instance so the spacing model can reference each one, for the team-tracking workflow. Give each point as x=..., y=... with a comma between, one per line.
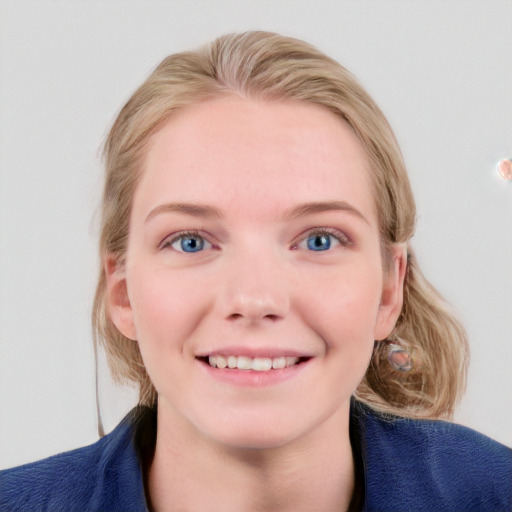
x=258, y=285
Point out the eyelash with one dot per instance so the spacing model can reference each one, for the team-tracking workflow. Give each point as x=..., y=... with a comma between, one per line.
x=169, y=241
x=339, y=236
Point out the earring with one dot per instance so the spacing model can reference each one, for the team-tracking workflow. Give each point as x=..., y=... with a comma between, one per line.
x=399, y=358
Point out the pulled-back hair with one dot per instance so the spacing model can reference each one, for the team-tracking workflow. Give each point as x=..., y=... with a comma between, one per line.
x=266, y=67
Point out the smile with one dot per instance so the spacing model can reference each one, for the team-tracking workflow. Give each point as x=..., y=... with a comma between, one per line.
x=259, y=364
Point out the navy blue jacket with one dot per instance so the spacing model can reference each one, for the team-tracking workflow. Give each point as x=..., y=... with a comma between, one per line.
x=406, y=465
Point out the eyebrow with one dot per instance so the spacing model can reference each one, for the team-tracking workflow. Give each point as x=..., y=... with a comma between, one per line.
x=205, y=211
x=195, y=210
x=323, y=206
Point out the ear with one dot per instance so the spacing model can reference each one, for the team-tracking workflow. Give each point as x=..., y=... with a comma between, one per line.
x=119, y=308
x=392, y=292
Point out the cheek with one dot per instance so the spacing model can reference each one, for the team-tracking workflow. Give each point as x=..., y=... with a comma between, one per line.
x=344, y=304
x=166, y=306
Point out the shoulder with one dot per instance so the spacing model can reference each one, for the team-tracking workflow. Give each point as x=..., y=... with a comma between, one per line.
x=433, y=465
x=103, y=476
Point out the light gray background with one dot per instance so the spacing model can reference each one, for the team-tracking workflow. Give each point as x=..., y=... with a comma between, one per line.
x=441, y=71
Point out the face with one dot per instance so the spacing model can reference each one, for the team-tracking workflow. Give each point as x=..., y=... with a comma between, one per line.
x=253, y=280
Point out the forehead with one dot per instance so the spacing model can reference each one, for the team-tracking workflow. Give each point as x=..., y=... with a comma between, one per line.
x=238, y=152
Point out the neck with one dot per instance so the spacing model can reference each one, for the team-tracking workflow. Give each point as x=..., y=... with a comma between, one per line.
x=191, y=472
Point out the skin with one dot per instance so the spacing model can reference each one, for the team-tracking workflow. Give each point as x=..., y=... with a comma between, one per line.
x=245, y=170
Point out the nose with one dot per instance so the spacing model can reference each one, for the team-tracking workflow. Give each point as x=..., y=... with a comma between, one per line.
x=254, y=289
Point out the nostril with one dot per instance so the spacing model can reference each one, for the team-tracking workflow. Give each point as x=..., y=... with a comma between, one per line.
x=239, y=316
x=254, y=307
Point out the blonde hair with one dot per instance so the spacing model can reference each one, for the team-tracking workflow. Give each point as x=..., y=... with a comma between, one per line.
x=268, y=66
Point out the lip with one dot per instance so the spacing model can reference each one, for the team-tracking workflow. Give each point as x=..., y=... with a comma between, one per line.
x=253, y=352
x=253, y=378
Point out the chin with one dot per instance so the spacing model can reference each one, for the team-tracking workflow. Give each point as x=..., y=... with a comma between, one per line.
x=254, y=432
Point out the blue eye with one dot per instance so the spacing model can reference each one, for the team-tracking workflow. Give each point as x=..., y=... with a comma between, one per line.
x=189, y=242
x=322, y=240
x=319, y=241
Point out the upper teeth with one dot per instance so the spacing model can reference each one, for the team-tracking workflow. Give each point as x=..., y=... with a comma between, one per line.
x=259, y=364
